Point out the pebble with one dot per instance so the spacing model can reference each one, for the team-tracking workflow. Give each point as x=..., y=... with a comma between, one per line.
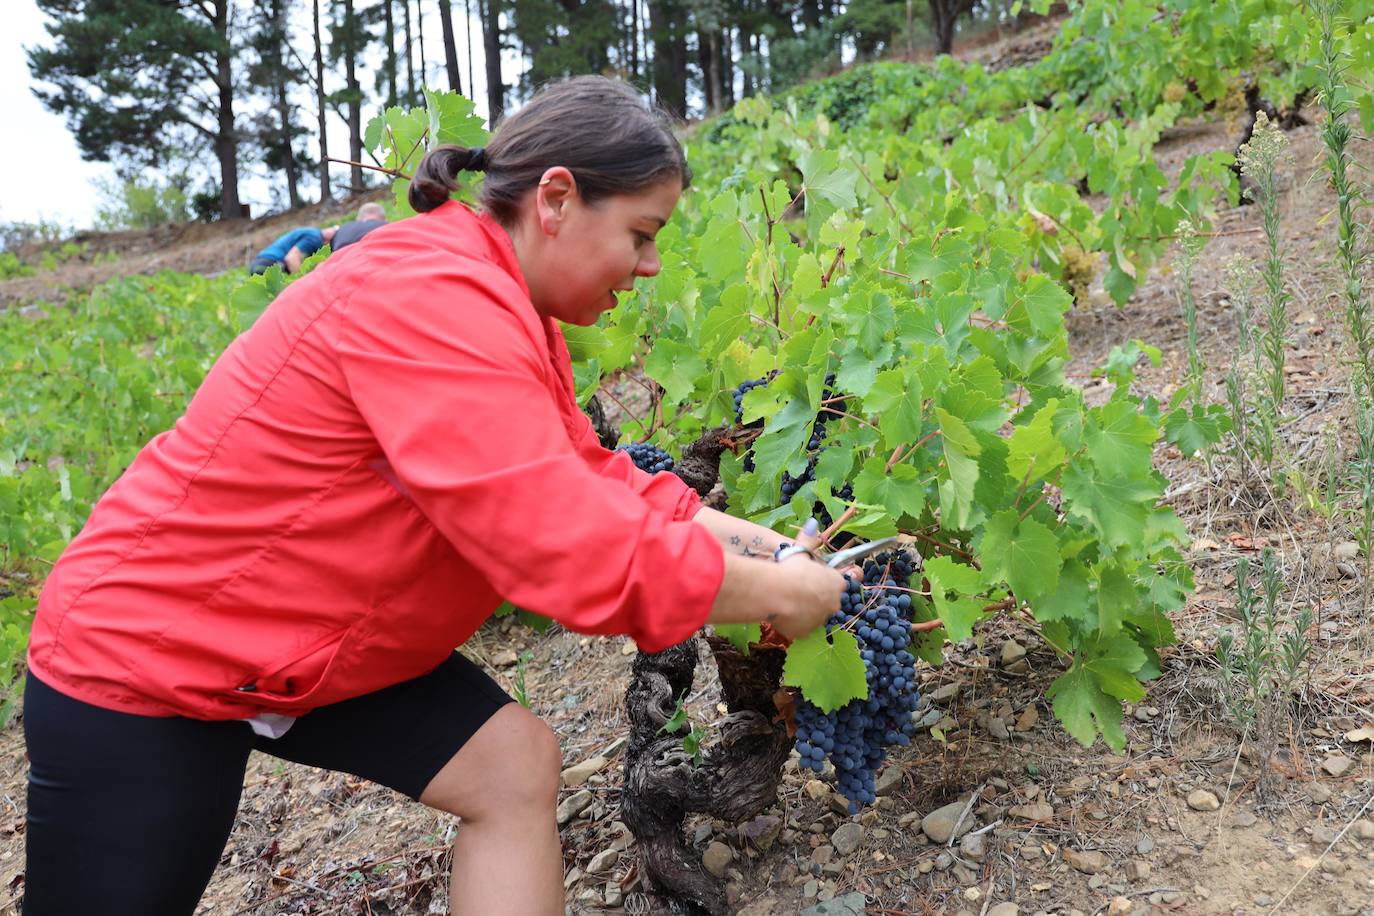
x=1318, y=792
x=1005, y=909
x=847, y=838
x=1088, y=862
x=579, y=773
x=811, y=888
x=613, y=895
x=973, y=847
x=1038, y=812
x=1120, y=906
x=1337, y=764
x=1026, y=721
x=1012, y=652
x=889, y=780
x=1203, y=800
x=998, y=729
x=925, y=866
x=822, y=855
x=1244, y=820
x=944, y=693
x=943, y=861
x=939, y=824
x=1145, y=713
x=1363, y=829
x=815, y=789
x=1137, y=871
x=573, y=805
x=602, y=862
x=762, y=832
x=717, y=858
x=1145, y=845
x=851, y=904
x=505, y=658
x=909, y=818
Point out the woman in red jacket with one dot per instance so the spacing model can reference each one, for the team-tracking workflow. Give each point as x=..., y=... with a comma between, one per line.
x=393, y=448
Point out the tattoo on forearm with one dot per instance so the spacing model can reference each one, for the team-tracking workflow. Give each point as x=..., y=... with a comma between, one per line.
x=734, y=540
x=758, y=541
x=748, y=553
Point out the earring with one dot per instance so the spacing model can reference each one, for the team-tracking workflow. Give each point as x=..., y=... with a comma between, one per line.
x=544, y=182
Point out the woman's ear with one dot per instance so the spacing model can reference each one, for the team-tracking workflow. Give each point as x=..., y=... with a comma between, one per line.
x=556, y=192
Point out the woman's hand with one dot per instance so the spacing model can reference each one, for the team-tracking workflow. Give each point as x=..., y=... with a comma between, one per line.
x=795, y=596
x=816, y=591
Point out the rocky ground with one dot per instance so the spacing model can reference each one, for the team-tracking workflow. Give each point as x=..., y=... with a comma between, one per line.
x=993, y=810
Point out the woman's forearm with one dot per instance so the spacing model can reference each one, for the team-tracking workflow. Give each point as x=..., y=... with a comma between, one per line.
x=738, y=536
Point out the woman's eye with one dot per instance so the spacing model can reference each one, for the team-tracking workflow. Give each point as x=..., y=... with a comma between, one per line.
x=641, y=239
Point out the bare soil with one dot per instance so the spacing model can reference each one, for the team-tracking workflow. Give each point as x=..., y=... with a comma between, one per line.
x=312, y=842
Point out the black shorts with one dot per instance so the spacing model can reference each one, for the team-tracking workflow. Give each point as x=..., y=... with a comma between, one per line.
x=129, y=814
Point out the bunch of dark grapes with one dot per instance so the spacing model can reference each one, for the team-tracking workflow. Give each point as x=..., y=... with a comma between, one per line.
x=648, y=458
x=745, y=388
x=856, y=736
x=889, y=570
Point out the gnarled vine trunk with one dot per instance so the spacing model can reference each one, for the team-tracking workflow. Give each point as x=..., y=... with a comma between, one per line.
x=737, y=777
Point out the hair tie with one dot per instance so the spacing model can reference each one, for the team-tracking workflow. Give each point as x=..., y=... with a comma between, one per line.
x=477, y=159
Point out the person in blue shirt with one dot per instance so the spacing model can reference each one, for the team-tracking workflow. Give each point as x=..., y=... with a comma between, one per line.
x=289, y=250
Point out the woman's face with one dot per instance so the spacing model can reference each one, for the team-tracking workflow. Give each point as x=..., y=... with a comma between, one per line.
x=588, y=252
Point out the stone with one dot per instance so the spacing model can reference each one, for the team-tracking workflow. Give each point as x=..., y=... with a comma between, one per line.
x=1137, y=871
x=1324, y=835
x=1012, y=652
x=1318, y=793
x=939, y=824
x=1337, y=764
x=1038, y=812
x=815, y=789
x=1089, y=862
x=717, y=858
x=579, y=773
x=1244, y=820
x=602, y=862
x=762, y=832
x=1362, y=829
x=573, y=805
x=1333, y=866
x=943, y=861
x=821, y=855
x=909, y=818
x=1346, y=550
x=943, y=694
x=847, y=838
x=851, y=904
x=1203, y=800
x=613, y=895
x=1145, y=845
x=1120, y=906
x=811, y=888
x=1026, y=721
x=1005, y=909
x=505, y=658
x=998, y=728
x=973, y=848
x=889, y=780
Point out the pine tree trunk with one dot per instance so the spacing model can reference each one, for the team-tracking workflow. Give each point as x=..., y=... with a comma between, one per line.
x=355, y=98
x=326, y=193
x=669, y=35
x=467, y=25
x=725, y=60
x=390, y=21
x=490, y=11
x=455, y=79
x=943, y=14
x=411, y=93
x=288, y=153
x=226, y=138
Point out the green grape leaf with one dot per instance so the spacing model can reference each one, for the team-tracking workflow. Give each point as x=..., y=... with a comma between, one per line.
x=1033, y=450
x=826, y=180
x=451, y=120
x=676, y=366
x=962, y=611
x=896, y=396
x=1116, y=597
x=828, y=670
x=740, y=635
x=1023, y=552
x=1121, y=441
x=1195, y=431
x=1069, y=601
x=898, y=491
x=1116, y=508
x=1085, y=709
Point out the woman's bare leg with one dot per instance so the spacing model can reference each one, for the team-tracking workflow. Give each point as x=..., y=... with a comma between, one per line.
x=503, y=783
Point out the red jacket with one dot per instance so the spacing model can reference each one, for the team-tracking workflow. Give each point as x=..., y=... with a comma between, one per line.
x=393, y=447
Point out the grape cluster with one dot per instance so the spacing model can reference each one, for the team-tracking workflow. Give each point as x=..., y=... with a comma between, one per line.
x=648, y=458
x=745, y=388
x=856, y=736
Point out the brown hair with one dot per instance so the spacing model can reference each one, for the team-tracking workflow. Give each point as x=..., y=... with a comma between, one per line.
x=597, y=128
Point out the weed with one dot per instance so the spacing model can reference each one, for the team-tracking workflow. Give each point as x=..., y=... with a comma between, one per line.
x=1261, y=664
x=521, y=694
x=1260, y=160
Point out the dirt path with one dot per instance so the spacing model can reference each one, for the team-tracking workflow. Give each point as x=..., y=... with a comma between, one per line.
x=1062, y=829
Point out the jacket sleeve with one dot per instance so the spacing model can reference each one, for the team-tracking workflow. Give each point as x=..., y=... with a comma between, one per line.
x=665, y=492
x=447, y=368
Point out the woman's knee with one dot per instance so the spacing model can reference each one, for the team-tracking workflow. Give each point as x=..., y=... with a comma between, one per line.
x=513, y=761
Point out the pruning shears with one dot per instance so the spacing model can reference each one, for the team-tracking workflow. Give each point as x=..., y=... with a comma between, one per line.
x=840, y=558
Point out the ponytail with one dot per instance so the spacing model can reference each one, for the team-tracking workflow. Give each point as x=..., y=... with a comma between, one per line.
x=437, y=176
x=597, y=128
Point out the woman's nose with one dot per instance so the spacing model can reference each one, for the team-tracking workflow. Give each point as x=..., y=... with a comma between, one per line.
x=648, y=265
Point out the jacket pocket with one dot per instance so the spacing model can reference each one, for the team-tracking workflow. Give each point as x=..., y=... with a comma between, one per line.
x=294, y=680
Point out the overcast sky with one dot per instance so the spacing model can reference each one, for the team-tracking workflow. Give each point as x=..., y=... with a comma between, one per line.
x=42, y=175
